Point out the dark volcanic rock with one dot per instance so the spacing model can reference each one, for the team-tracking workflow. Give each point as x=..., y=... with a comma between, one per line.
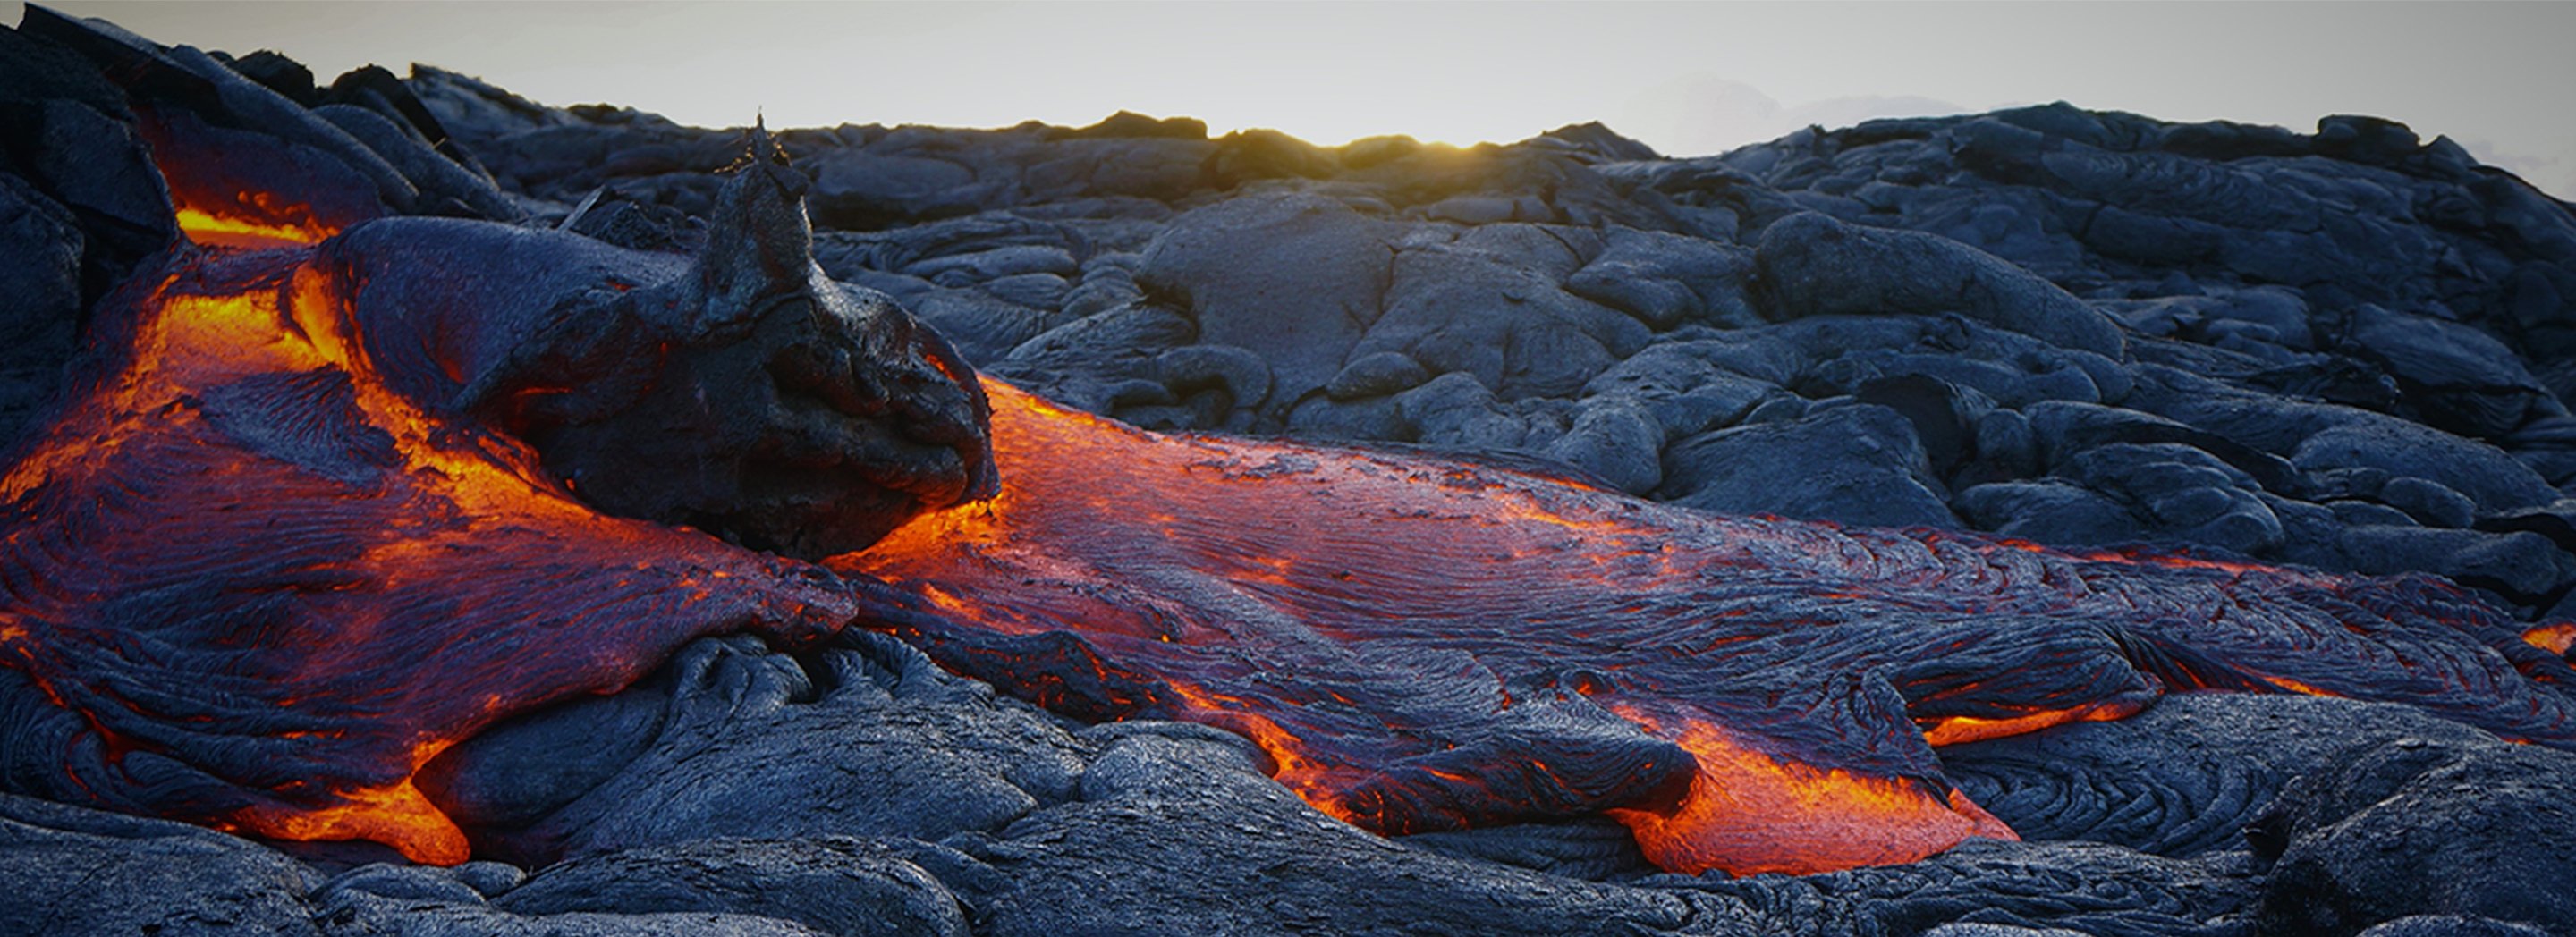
x=2400, y=449
x=71, y=871
x=2050, y=512
x=2459, y=378
x=389, y=899
x=80, y=206
x=1814, y=265
x=744, y=394
x=2451, y=925
x=2419, y=826
x=1158, y=797
x=40, y=300
x=1157, y=802
x=835, y=886
x=2081, y=887
x=1856, y=464
x=1297, y=279
x=1666, y=280
x=1474, y=306
x=721, y=744
x=2183, y=778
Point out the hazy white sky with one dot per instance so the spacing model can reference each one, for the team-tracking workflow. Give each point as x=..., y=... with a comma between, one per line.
x=1686, y=78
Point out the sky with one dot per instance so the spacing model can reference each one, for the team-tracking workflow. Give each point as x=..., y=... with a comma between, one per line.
x=1685, y=78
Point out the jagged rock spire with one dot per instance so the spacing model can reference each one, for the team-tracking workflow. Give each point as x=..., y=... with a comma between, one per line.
x=759, y=241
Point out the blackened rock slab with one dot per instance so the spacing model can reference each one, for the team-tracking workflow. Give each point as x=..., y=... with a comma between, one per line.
x=446, y=188
x=2417, y=826
x=421, y=901
x=69, y=871
x=1616, y=438
x=1478, y=305
x=77, y=144
x=40, y=301
x=1103, y=361
x=359, y=914
x=1295, y=278
x=744, y=393
x=2087, y=888
x=2181, y=779
x=2460, y=379
x=1667, y=279
x=2479, y=470
x=1815, y=265
x=2452, y=925
x=731, y=740
x=844, y=887
x=2522, y=565
x=1853, y=465
x=2052, y=512
x=188, y=99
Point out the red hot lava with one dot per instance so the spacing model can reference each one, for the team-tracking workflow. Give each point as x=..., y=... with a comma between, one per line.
x=271, y=588
x=1428, y=644
x=261, y=583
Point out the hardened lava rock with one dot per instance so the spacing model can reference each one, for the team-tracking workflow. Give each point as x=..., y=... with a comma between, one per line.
x=748, y=396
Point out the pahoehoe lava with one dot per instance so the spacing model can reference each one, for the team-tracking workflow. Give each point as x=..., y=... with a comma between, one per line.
x=344, y=504
x=1421, y=644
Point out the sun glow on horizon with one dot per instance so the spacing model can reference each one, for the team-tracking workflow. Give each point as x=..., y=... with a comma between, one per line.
x=1686, y=79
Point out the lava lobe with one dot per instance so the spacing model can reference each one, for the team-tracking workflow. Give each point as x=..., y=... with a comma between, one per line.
x=1425, y=644
x=287, y=540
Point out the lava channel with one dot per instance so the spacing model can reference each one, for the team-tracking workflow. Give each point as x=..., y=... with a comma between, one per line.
x=1423, y=643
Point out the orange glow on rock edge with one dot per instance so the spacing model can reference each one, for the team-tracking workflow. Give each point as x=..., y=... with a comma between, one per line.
x=396, y=814
x=1961, y=729
x=1749, y=813
x=212, y=230
x=2554, y=638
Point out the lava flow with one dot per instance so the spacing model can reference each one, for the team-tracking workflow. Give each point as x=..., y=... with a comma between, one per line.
x=307, y=517
x=264, y=584
x=269, y=588
x=1422, y=644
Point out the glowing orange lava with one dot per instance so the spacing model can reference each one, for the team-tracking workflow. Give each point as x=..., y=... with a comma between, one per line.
x=225, y=231
x=2554, y=638
x=363, y=579
x=1749, y=813
x=1420, y=644
x=395, y=814
x=1962, y=729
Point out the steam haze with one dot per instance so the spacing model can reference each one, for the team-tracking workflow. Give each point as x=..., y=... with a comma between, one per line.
x=1684, y=78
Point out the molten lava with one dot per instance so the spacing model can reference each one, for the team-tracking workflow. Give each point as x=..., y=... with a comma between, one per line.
x=272, y=589
x=1425, y=644
x=277, y=550
x=212, y=230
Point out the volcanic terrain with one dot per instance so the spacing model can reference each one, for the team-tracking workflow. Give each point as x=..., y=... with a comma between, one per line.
x=428, y=511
